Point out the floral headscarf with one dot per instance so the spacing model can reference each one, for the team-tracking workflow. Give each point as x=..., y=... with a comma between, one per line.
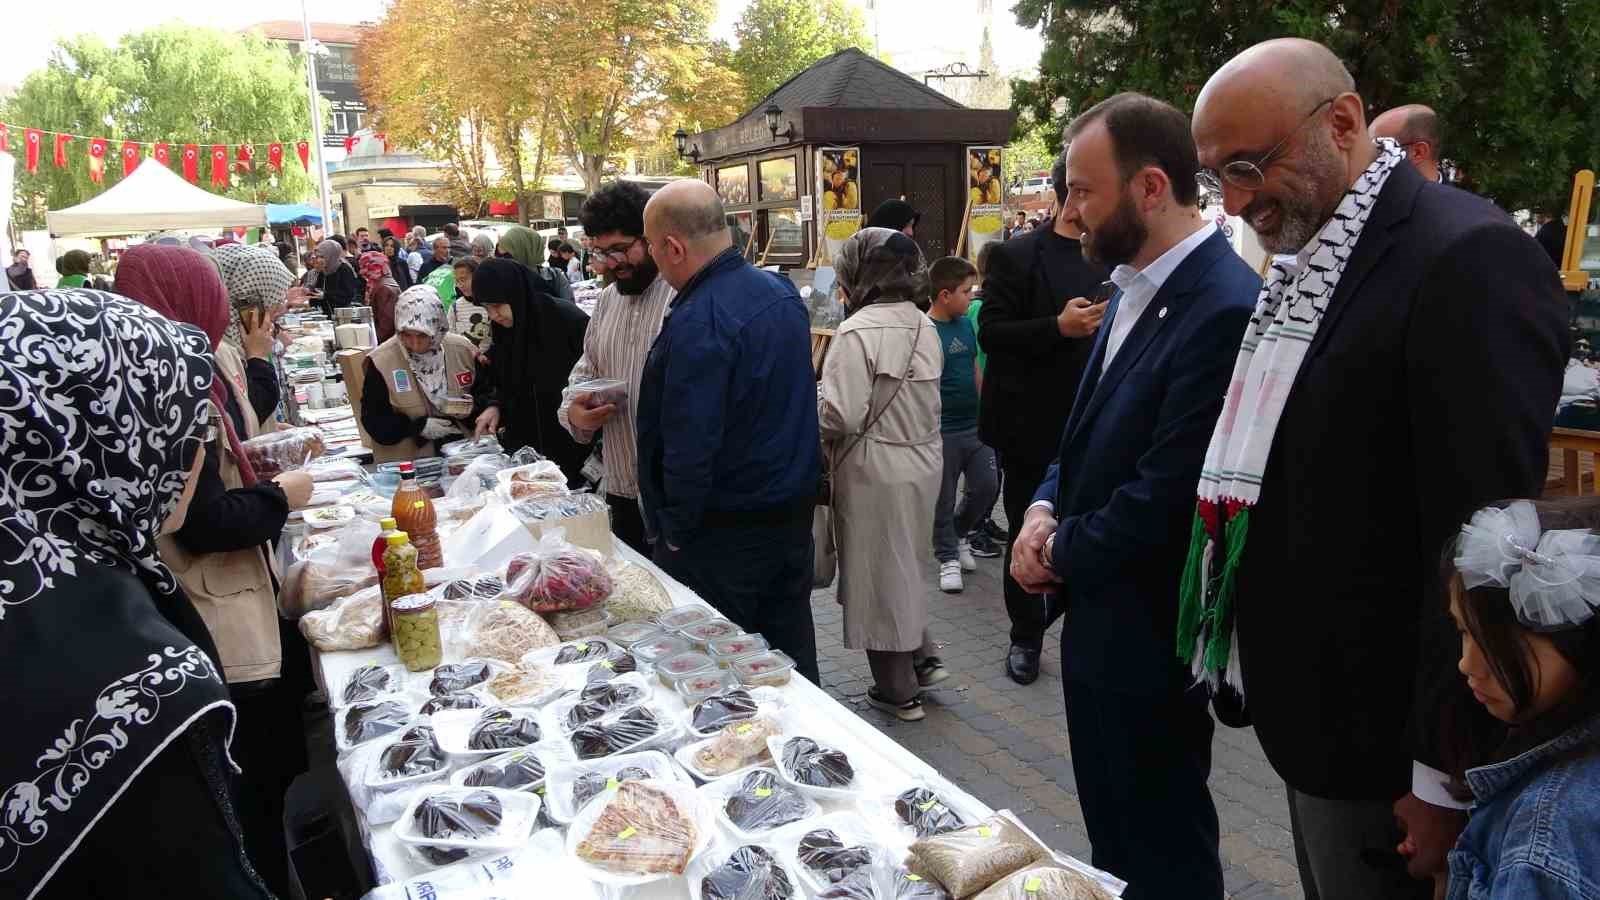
x=876, y=265
x=253, y=276
x=103, y=406
x=420, y=311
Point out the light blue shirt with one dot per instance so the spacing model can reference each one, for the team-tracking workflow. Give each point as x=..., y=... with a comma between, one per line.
x=1140, y=286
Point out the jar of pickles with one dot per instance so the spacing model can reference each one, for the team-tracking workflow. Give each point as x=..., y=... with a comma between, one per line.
x=400, y=574
x=416, y=632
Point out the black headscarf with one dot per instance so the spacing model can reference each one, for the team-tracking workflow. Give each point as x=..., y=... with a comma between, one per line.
x=104, y=405
x=532, y=359
x=893, y=214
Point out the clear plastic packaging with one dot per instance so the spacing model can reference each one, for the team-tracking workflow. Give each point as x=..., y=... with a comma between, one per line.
x=741, y=872
x=525, y=482
x=682, y=616
x=652, y=650
x=757, y=803
x=967, y=860
x=594, y=702
x=368, y=683
x=353, y=623
x=709, y=715
x=327, y=566
x=276, y=452
x=731, y=751
x=830, y=848
x=557, y=576
x=601, y=391
x=814, y=768
x=1046, y=881
x=505, y=631
x=674, y=668
x=411, y=757
x=581, y=623
x=524, y=685
x=513, y=770
x=534, y=870
x=469, y=818
x=459, y=700
x=640, y=727
x=369, y=720
x=770, y=669
x=334, y=468
x=694, y=688
x=455, y=730
x=550, y=506
x=636, y=595
x=469, y=673
x=484, y=588
x=639, y=832
x=727, y=649
x=629, y=633
x=474, y=476
x=323, y=517
x=571, y=784
x=701, y=634
x=915, y=808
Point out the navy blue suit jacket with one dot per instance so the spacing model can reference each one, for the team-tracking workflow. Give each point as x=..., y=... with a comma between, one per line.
x=1131, y=456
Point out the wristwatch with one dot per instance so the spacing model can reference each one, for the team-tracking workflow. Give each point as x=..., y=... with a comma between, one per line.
x=1049, y=552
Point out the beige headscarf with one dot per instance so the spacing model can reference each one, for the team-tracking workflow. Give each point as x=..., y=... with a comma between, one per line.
x=877, y=265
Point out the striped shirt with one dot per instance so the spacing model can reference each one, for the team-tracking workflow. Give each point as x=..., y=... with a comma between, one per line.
x=615, y=346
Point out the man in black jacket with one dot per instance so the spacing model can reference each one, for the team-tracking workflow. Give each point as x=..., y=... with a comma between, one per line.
x=1038, y=329
x=1432, y=339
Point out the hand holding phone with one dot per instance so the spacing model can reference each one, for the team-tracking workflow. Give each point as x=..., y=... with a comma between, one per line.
x=1081, y=316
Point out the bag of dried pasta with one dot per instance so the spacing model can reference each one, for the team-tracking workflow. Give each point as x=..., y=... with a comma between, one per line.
x=970, y=859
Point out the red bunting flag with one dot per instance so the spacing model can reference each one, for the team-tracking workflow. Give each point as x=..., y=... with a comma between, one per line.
x=5, y=137
x=191, y=163
x=163, y=154
x=130, y=158
x=32, y=137
x=304, y=149
x=350, y=144
x=97, y=159
x=246, y=155
x=219, y=164
x=61, y=150
x=275, y=156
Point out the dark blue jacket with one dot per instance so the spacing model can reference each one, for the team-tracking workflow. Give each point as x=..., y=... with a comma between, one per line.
x=727, y=404
x=1131, y=454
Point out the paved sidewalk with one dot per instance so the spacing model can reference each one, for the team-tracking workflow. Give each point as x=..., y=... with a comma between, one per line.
x=1007, y=744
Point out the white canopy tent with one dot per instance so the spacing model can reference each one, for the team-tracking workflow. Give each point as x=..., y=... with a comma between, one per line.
x=153, y=198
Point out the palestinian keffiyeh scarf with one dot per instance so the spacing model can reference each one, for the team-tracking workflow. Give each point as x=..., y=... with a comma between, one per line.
x=103, y=405
x=1288, y=312
x=253, y=275
x=419, y=311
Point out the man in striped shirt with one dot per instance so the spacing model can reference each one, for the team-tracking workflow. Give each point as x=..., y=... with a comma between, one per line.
x=626, y=320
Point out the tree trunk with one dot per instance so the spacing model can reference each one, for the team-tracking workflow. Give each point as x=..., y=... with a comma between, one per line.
x=538, y=162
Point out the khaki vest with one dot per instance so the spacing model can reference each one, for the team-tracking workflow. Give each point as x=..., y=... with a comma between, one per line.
x=232, y=591
x=390, y=357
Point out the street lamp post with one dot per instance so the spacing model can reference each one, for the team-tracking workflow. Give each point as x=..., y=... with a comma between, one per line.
x=311, y=48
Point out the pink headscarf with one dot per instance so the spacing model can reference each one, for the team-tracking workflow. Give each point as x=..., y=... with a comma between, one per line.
x=184, y=286
x=374, y=266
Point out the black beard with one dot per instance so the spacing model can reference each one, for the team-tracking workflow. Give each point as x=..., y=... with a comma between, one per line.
x=1118, y=239
x=643, y=275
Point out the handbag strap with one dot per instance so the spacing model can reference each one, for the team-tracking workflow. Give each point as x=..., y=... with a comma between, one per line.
x=873, y=419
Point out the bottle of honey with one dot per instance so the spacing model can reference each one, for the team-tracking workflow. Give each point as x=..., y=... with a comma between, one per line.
x=414, y=514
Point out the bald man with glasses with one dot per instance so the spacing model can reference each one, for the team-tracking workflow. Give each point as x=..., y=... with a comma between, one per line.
x=1410, y=340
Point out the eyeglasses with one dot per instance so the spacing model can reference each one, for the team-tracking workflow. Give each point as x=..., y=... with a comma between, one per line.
x=1247, y=175
x=616, y=254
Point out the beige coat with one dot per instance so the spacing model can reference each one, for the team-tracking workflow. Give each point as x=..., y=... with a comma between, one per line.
x=885, y=490
x=390, y=357
x=232, y=591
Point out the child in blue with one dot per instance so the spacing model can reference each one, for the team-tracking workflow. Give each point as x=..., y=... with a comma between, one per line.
x=951, y=280
x=1524, y=594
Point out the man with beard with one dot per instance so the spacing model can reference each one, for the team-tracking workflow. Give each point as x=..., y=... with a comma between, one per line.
x=1036, y=328
x=627, y=318
x=1109, y=528
x=1411, y=347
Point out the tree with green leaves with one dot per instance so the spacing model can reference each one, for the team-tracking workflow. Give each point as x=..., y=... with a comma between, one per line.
x=780, y=38
x=1514, y=81
x=175, y=84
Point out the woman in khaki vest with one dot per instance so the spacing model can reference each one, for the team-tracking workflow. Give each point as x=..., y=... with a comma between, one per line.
x=222, y=553
x=417, y=392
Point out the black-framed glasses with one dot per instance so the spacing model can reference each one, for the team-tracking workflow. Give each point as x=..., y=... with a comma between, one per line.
x=1247, y=175
x=616, y=254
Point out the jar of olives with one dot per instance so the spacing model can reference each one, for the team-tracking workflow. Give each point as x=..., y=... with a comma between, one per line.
x=416, y=632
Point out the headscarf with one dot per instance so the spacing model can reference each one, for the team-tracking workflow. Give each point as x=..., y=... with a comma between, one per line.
x=184, y=286
x=73, y=262
x=525, y=245
x=104, y=407
x=420, y=311
x=375, y=271
x=331, y=252
x=253, y=276
x=877, y=265
x=893, y=214
x=484, y=241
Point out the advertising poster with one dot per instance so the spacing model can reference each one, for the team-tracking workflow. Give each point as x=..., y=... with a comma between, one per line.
x=985, y=218
x=839, y=210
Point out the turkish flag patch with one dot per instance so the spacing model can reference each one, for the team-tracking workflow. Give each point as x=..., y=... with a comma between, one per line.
x=464, y=378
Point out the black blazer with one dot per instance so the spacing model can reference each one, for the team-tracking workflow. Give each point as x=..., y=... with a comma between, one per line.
x=1133, y=446
x=1032, y=371
x=1428, y=392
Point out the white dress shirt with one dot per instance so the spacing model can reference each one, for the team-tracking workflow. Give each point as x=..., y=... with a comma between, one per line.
x=1140, y=286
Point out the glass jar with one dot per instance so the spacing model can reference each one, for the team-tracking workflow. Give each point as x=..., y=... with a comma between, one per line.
x=416, y=632
x=401, y=576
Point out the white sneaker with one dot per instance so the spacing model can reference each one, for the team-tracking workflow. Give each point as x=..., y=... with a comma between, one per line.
x=968, y=564
x=950, y=577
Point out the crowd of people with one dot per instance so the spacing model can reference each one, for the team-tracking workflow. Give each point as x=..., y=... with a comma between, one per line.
x=1317, y=530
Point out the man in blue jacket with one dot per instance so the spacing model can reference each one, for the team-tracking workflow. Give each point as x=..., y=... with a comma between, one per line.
x=1111, y=539
x=729, y=452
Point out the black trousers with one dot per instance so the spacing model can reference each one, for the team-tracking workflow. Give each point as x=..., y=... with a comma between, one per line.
x=759, y=576
x=1031, y=614
x=1141, y=764
x=627, y=523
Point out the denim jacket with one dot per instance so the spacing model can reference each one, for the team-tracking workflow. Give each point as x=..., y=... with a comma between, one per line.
x=1535, y=828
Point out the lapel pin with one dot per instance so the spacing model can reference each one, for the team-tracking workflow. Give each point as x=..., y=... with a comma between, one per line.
x=1161, y=313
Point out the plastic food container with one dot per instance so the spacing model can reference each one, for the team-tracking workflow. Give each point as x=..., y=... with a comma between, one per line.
x=602, y=391
x=453, y=729
x=673, y=669
x=717, y=793
x=519, y=811
x=563, y=776
x=652, y=650
x=701, y=634
x=681, y=617
x=416, y=632
x=629, y=633
x=771, y=668
x=727, y=649
x=689, y=805
x=697, y=687
x=548, y=757
x=687, y=757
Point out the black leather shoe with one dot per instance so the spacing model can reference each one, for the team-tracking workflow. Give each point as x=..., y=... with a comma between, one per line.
x=1022, y=664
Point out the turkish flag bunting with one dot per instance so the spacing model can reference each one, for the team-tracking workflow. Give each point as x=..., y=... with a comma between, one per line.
x=61, y=150
x=304, y=149
x=191, y=163
x=350, y=143
x=97, y=159
x=163, y=154
x=5, y=137
x=130, y=158
x=32, y=137
x=246, y=155
x=275, y=156
x=219, y=164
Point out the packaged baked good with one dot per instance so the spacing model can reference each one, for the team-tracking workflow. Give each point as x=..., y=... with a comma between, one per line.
x=749, y=873
x=714, y=712
x=1045, y=881
x=926, y=812
x=642, y=829
x=454, y=817
x=827, y=855
x=528, y=686
x=414, y=752
x=584, y=651
x=368, y=720
x=499, y=728
x=592, y=784
x=739, y=744
x=858, y=885
x=808, y=763
x=505, y=631
x=616, y=733
x=482, y=587
x=275, y=452
x=908, y=885
x=620, y=663
x=369, y=682
x=457, y=700
x=969, y=859
x=761, y=802
x=516, y=771
x=453, y=677
x=598, y=699
x=564, y=775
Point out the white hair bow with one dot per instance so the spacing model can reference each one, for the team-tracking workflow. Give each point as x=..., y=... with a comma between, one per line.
x=1553, y=576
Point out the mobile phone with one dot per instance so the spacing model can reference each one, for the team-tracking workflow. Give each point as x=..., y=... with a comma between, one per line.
x=1103, y=291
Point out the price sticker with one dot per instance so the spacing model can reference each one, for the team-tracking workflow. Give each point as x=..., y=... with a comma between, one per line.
x=611, y=783
x=506, y=604
x=763, y=793
x=910, y=877
x=927, y=805
x=626, y=833
x=606, y=663
x=985, y=831
x=583, y=648
x=743, y=729
x=1033, y=884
